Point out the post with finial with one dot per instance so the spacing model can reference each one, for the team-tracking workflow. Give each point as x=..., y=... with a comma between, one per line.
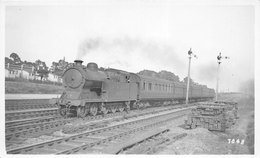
x=219, y=57
x=188, y=82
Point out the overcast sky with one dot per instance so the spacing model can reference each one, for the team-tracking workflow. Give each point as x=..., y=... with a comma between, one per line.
x=135, y=35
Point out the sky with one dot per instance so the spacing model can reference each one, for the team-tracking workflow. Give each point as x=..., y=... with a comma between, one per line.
x=138, y=35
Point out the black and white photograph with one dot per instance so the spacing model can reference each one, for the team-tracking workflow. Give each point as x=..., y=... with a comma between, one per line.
x=130, y=78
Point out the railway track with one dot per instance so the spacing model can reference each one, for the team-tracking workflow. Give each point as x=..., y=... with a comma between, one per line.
x=18, y=132
x=27, y=104
x=28, y=109
x=30, y=121
x=146, y=143
x=26, y=114
x=98, y=140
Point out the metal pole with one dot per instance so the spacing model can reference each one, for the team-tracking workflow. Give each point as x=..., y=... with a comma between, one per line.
x=217, y=82
x=188, y=83
x=219, y=57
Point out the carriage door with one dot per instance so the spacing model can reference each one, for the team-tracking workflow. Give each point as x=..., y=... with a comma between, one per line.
x=138, y=90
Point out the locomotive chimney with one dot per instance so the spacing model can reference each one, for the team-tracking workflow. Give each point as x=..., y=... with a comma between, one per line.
x=78, y=62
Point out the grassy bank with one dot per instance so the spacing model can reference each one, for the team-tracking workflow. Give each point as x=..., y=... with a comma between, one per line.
x=31, y=88
x=246, y=112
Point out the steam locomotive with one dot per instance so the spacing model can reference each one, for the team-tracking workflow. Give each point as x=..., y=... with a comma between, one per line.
x=89, y=91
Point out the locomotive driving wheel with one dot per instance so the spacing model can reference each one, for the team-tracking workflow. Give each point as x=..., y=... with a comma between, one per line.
x=105, y=110
x=81, y=111
x=127, y=106
x=93, y=110
x=121, y=108
x=62, y=111
x=113, y=109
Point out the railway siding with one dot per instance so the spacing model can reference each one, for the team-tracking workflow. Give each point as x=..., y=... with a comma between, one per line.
x=17, y=115
x=132, y=141
x=36, y=148
x=18, y=132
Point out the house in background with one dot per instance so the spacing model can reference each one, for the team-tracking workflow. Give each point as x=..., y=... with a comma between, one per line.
x=19, y=71
x=9, y=73
x=55, y=77
x=28, y=73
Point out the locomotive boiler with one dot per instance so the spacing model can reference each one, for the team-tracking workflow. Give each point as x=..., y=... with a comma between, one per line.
x=90, y=90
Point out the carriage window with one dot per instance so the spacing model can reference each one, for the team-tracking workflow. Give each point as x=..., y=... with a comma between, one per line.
x=127, y=79
x=144, y=86
x=150, y=86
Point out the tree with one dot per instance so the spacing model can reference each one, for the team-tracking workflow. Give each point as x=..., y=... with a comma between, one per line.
x=148, y=73
x=41, y=68
x=7, y=60
x=61, y=65
x=43, y=73
x=185, y=80
x=162, y=74
x=54, y=67
x=168, y=76
x=15, y=58
x=29, y=64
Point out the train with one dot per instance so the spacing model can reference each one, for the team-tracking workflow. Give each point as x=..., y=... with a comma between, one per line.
x=89, y=90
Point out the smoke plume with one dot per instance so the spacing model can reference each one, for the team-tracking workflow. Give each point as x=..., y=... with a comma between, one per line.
x=207, y=73
x=132, y=54
x=88, y=45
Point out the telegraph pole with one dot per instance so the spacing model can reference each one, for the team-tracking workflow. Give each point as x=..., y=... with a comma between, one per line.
x=219, y=57
x=188, y=82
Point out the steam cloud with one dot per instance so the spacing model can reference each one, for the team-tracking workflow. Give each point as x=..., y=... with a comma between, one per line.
x=207, y=72
x=128, y=52
x=135, y=54
x=88, y=45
